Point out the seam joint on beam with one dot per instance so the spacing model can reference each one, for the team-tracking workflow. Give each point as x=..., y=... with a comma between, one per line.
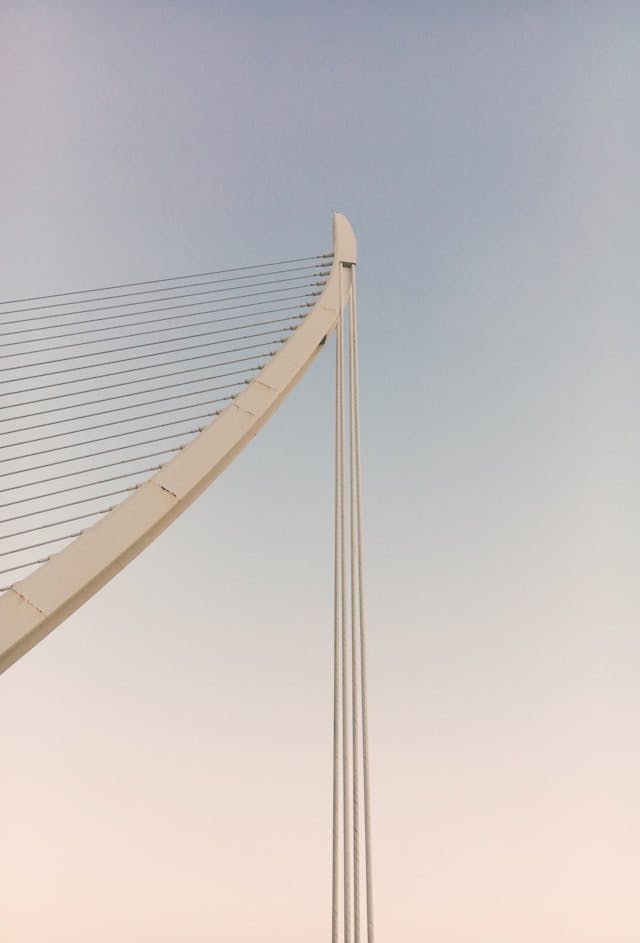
x=28, y=601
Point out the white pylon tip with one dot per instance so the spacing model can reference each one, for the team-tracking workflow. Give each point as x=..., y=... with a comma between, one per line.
x=344, y=240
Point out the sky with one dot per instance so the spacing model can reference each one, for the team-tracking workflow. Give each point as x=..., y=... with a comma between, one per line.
x=165, y=754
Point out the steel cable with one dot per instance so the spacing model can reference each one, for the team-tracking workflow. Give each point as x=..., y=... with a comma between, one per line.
x=23, y=566
x=311, y=272
x=64, y=461
x=38, y=527
x=115, y=409
x=67, y=504
x=195, y=294
x=116, y=373
x=156, y=281
x=145, y=344
x=94, y=468
x=173, y=317
x=111, y=435
x=120, y=337
x=195, y=304
x=134, y=343
x=86, y=484
x=51, y=373
x=355, y=385
x=41, y=543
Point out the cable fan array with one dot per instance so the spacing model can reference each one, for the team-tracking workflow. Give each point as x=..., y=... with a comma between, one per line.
x=101, y=387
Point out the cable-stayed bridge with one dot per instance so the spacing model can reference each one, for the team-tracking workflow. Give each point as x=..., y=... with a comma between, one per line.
x=121, y=404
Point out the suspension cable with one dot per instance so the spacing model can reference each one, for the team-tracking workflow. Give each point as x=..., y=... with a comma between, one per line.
x=67, y=504
x=195, y=294
x=156, y=320
x=23, y=566
x=310, y=271
x=145, y=344
x=128, y=406
x=155, y=281
x=160, y=353
x=353, y=640
x=111, y=435
x=217, y=310
x=64, y=461
x=94, y=468
x=350, y=680
x=346, y=762
x=115, y=409
x=358, y=539
x=156, y=376
x=337, y=644
x=41, y=543
x=38, y=527
x=120, y=337
x=85, y=484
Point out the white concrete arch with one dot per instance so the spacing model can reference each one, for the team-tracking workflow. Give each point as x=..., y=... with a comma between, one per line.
x=37, y=604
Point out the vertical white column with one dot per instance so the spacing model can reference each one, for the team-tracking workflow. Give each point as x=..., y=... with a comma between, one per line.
x=350, y=717
x=353, y=627
x=337, y=643
x=346, y=765
x=358, y=539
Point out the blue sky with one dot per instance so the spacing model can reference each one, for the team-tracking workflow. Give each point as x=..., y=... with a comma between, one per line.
x=165, y=754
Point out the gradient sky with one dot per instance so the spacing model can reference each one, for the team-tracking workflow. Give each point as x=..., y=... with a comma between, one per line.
x=165, y=755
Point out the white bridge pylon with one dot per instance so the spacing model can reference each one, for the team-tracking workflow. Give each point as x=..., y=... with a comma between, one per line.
x=32, y=607
x=351, y=778
x=297, y=329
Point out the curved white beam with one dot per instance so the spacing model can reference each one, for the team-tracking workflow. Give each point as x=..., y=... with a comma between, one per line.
x=34, y=606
